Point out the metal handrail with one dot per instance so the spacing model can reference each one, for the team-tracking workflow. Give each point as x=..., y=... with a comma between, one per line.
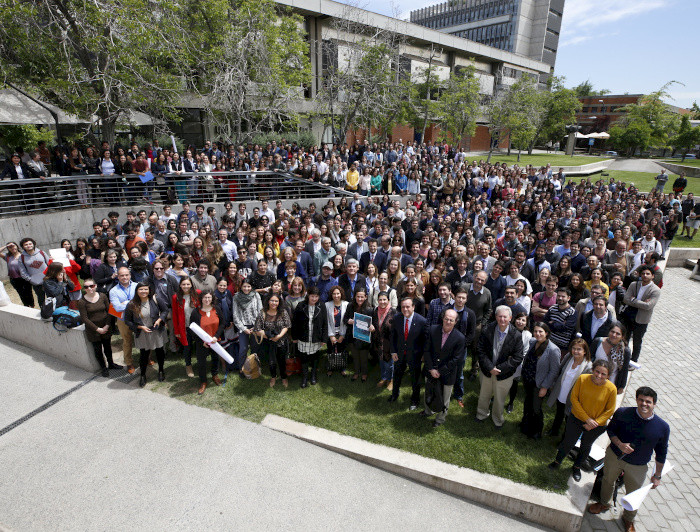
x=36, y=195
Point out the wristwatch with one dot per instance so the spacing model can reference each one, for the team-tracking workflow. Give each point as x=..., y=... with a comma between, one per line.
x=657, y=477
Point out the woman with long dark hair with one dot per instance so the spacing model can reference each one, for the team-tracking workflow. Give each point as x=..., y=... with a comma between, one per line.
x=358, y=348
x=540, y=370
x=382, y=317
x=146, y=316
x=270, y=329
x=185, y=300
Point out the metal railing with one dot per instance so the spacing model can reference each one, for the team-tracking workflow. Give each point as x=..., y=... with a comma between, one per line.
x=33, y=196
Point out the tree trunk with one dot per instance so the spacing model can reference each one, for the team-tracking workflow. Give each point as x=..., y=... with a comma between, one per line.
x=530, y=148
x=488, y=159
x=109, y=129
x=519, y=151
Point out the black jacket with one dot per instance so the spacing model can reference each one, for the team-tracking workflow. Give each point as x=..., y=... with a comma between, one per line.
x=196, y=317
x=157, y=311
x=344, y=283
x=602, y=332
x=444, y=358
x=510, y=356
x=53, y=288
x=300, y=323
x=103, y=276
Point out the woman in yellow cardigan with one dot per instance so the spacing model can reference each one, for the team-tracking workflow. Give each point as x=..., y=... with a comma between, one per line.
x=593, y=400
x=597, y=279
x=352, y=179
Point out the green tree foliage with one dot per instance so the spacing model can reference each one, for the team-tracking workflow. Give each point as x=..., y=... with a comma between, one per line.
x=459, y=105
x=257, y=67
x=98, y=57
x=585, y=89
x=560, y=106
x=651, y=123
x=25, y=136
x=687, y=137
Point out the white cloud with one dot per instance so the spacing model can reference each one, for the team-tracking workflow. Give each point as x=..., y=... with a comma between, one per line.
x=583, y=18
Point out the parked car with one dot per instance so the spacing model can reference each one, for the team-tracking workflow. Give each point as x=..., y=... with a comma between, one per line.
x=611, y=153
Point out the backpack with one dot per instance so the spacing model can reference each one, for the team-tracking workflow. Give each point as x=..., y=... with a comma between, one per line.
x=65, y=318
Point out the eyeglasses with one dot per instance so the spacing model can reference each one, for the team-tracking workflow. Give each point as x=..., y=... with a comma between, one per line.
x=89, y=286
x=158, y=268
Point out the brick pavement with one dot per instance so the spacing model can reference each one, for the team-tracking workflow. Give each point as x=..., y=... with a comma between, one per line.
x=670, y=357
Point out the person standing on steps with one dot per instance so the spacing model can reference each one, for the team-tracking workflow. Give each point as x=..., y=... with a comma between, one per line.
x=635, y=434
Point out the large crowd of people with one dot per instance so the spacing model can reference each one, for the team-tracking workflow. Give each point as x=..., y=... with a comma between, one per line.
x=509, y=275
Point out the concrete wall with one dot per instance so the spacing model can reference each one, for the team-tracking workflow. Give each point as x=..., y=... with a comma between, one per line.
x=689, y=171
x=24, y=326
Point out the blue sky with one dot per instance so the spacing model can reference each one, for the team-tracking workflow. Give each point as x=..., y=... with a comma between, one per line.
x=632, y=46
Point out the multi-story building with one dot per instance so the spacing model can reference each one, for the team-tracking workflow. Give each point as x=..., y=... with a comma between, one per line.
x=525, y=27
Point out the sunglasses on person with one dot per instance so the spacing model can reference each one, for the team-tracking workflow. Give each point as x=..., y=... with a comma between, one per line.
x=89, y=286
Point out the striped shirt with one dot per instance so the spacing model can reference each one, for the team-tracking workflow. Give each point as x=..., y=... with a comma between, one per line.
x=562, y=323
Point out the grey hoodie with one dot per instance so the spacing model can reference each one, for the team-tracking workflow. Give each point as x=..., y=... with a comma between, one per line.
x=32, y=267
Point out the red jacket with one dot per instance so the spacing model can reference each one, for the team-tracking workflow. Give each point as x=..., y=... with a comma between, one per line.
x=179, y=327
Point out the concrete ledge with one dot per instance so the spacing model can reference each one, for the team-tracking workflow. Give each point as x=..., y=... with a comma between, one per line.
x=24, y=326
x=586, y=169
x=560, y=512
x=677, y=256
x=689, y=171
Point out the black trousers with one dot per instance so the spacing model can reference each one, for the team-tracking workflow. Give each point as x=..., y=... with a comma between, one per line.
x=399, y=369
x=202, y=353
x=636, y=332
x=533, y=417
x=103, y=349
x=24, y=290
x=574, y=429
x=145, y=355
x=276, y=357
x=558, y=417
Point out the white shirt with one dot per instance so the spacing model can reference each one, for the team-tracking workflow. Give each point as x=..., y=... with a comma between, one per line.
x=230, y=249
x=641, y=290
x=596, y=323
x=270, y=215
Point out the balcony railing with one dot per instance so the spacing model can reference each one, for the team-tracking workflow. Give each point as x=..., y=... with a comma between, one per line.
x=32, y=196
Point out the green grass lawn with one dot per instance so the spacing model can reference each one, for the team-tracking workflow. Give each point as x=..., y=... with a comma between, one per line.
x=688, y=162
x=541, y=159
x=361, y=410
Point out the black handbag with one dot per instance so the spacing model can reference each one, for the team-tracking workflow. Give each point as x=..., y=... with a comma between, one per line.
x=337, y=359
x=433, y=395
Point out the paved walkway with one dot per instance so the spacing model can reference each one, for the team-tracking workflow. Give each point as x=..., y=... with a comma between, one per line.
x=110, y=456
x=635, y=165
x=670, y=358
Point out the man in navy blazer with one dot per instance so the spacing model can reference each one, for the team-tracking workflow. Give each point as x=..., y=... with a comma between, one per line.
x=408, y=335
x=443, y=359
x=306, y=260
x=378, y=258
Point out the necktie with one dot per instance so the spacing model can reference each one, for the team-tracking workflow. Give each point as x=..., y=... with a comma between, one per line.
x=405, y=330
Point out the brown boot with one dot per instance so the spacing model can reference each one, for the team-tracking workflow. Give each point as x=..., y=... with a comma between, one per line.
x=202, y=387
x=597, y=508
x=629, y=526
x=381, y=383
x=216, y=380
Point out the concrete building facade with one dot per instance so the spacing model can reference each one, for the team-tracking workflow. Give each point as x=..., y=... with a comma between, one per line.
x=525, y=27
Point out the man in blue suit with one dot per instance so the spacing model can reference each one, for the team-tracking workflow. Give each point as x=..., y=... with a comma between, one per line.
x=408, y=334
x=378, y=258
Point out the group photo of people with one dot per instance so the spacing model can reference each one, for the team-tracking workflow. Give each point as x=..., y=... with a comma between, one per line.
x=424, y=269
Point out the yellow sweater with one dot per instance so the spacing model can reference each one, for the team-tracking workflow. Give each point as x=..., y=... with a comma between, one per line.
x=589, y=400
x=352, y=179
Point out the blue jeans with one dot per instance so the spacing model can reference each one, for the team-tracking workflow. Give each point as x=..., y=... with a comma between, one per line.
x=243, y=341
x=458, y=390
x=386, y=369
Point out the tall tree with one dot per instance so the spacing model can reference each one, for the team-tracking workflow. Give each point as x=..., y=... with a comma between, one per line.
x=585, y=89
x=687, y=137
x=459, y=104
x=102, y=58
x=660, y=121
x=250, y=83
x=560, y=106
